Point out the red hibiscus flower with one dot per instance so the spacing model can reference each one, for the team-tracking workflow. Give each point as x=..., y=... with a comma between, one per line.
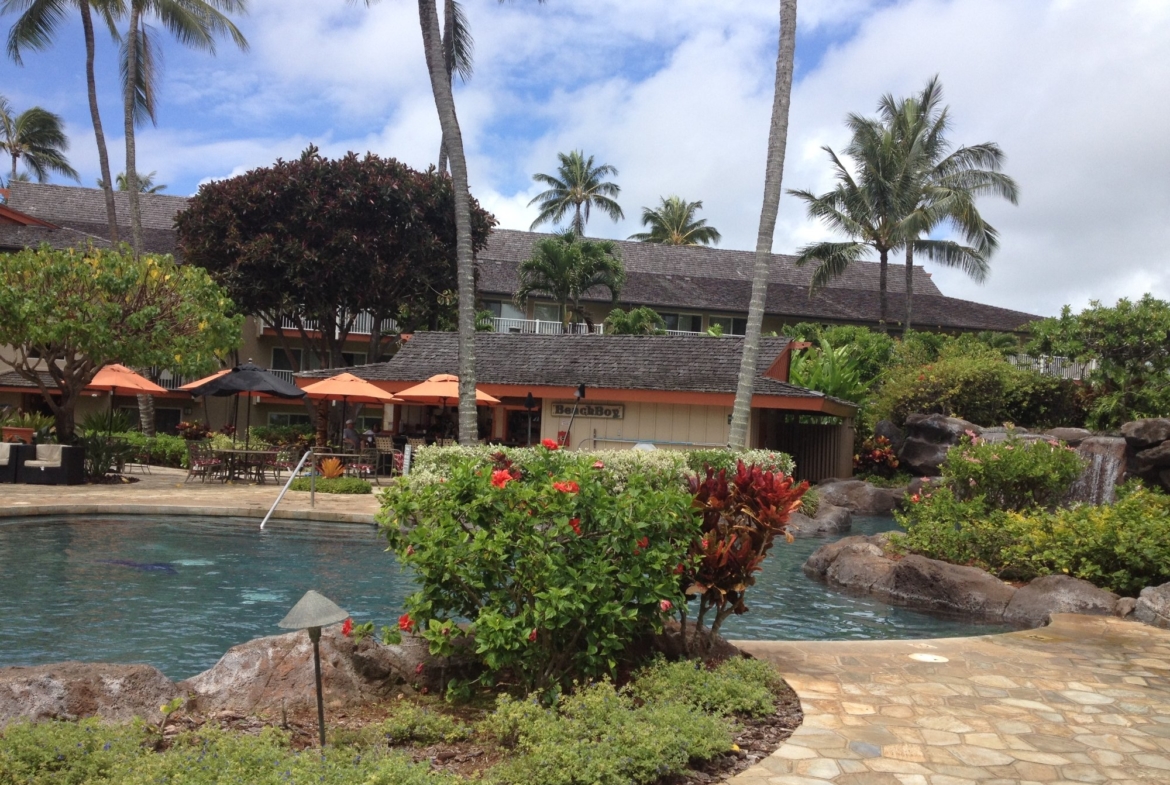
x=678, y=570
x=549, y=444
x=347, y=628
x=665, y=605
x=576, y=524
x=405, y=623
x=640, y=544
x=532, y=636
x=567, y=487
x=501, y=477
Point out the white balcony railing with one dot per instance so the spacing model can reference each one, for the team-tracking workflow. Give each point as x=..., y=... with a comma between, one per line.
x=286, y=375
x=363, y=324
x=504, y=325
x=1054, y=366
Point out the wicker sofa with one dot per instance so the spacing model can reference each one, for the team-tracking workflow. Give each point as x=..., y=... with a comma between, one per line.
x=50, y=464
x=8, y=461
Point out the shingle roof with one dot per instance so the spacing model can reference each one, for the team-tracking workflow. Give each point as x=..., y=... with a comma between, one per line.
x=627, y=362
x=13, y=237
x=13, y=379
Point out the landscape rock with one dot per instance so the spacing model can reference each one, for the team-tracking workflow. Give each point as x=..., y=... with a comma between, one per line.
x=860, y=497
x=817, y=565
x=892, y=433
x=1070, y=436
x=1157, y=457
x=1031, y=605
x=263, y=674
x=1124, y=607
x=830, y=519
x=928, y=583
x=72, y=690
x=928, y=438
x=858, y=570
x=1141, y=434
x=1153, y=606
x=1105, y=468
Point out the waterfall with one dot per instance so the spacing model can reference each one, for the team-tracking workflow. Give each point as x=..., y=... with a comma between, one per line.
x=1105, y=468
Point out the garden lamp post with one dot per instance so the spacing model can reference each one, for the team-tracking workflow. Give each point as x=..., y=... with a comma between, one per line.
x=578, y=394
x=312, y=613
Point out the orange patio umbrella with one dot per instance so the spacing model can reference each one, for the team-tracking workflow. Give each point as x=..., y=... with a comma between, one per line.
x=441, y=390
x=189, y=386
x=346, y=387
x=120, y=380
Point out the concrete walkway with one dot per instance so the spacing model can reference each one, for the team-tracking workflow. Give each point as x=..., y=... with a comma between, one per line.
x=1084, y=700
x=164, y=492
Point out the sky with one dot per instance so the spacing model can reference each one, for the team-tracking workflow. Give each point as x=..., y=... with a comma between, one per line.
x=677, y=95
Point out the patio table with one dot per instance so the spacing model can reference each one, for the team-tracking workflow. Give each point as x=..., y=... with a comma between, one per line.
x=239, y=463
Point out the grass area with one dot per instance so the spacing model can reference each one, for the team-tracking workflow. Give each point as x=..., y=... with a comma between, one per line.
x=670, y=716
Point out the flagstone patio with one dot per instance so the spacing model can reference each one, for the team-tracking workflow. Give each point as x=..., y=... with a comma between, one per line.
x=1084, y=700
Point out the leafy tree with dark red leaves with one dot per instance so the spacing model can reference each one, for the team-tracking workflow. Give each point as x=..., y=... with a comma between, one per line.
x=317, y=242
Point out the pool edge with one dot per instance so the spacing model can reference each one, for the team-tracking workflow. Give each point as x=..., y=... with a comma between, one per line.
x=35, y=510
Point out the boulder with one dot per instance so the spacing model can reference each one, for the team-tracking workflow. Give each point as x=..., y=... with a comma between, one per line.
x=1153, y=458
x=858, y=570
x=928, y=438
x=817, y=565
x=1105, y=468
x=860, y=497
x=892, y=433
x=1033, y=604
x=830, y=519
x=1153, y=606
x=1141, y=434
x=928, y=583
x=1124, y=607
x=263, y=674
x=1070, y=436
x=72, y=690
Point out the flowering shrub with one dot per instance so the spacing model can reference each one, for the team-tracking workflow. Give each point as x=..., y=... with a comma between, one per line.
x=192, y=431
x=1013, y=474
x=556, y=570
x=876, y=457
x=740, y=521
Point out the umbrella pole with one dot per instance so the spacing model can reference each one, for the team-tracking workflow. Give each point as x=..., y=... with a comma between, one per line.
x=110, y=419
x=235, y=419
x=248, y=422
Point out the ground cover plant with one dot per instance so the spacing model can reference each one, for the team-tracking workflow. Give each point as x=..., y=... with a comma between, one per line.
x=350, y=485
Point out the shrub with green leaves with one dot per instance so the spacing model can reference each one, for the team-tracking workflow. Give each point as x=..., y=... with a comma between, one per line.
x=350, y=485
x=412, y=723
x=557, y=570
x=160, y=450
x=738, y=686
x=1012, y=474
x=960, y=531
x=601, y=736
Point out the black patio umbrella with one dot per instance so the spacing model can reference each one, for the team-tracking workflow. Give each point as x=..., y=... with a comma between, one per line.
x=248, y=378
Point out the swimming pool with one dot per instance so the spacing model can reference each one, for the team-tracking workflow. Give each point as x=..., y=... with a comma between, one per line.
x=178, y=592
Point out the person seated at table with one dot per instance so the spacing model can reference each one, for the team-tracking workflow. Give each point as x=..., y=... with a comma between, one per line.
x=349, y=437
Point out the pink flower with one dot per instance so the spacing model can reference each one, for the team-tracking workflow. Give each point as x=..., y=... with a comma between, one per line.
x=405, y=623
x=409, y=550
x=567, y=487
x=347, y=628
x=548, y=444
x=665, y=605
x=598, y=465
x=532, y=636
x=501, y=477
x=915, y=499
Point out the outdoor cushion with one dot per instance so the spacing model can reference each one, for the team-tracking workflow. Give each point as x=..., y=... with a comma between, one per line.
x=48, y=455
x=5, y=451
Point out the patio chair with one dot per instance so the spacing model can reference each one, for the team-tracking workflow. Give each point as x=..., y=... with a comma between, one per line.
x=201, y=463
x=389, y=459
x=447, y=442
x=279, y=462
x=365, y=466
x=416, y=443
x=8, y=461
x=51, y=464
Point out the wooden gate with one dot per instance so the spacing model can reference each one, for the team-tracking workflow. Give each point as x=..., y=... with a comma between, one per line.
x=821, y=446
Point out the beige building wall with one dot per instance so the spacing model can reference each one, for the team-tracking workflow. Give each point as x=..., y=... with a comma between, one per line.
x=685, y=425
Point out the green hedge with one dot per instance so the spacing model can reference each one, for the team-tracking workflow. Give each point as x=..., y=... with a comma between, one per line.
x=160, y=450
x=333, y=485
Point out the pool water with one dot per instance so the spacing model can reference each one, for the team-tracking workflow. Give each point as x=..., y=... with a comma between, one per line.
x=178, y=592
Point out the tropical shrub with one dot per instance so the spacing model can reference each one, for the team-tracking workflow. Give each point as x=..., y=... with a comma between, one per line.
x=333, y=485
x=810, y=502
x=871, y=350
x=283, y=435
x=740, y=520
x=736, y=686
x=876, y=457
x=960, y=531
x=412, y=723
x=103, y=454
x=1013, y=474
x=160, y=450
x=192, y=431
x=828, y=369
x=557, y=569
x=636, y=321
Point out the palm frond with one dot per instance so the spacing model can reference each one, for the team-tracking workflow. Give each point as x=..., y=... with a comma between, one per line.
x=147, y=74
x=35, y=27
x=832, y=260
x=952, y=254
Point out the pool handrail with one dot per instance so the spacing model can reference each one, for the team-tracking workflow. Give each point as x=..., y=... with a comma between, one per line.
x=288, y=484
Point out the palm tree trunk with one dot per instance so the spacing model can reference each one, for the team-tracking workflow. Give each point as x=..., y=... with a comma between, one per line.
x=128, y=105
x=909, y=285
x=103, y=155
x=578, y=222
x=146, y=414
x=883, y=295
x=445, y=105
x=449, y=63
x=15, y=156
x=773, y=179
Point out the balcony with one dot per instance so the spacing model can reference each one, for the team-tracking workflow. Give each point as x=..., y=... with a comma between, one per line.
x=505, y=325
x=363, y=324
x=1061, y=367
x=285, y=375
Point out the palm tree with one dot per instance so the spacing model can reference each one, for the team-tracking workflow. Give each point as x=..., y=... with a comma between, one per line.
x=195, y=23
x=36, y=136
x=458, y=46
x=35, y=28
x=949, y=184
x=773, y=178
x=673, y=223
x=636, y=321
x=146, y=183
x=565, y=268
x=578, y=187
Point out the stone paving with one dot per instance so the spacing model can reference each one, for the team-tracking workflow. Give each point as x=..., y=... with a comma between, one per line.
x=164, y=492
x=1084, y=700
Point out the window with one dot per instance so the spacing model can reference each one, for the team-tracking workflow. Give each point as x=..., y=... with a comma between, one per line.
x=275, y=418
x=683, y=322
x=353, y=358
x=501, y=309
x=280, y=360
x=732, y=325
x=547, y=312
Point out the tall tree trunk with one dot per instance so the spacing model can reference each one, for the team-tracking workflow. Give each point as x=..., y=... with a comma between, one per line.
x=883, y=294
x=146, y=414
x=15, y=156
x=99, y=134
x=131, y=155
x=445, y=105
x=909, y=286
x=774, y=175
x=449, y=63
